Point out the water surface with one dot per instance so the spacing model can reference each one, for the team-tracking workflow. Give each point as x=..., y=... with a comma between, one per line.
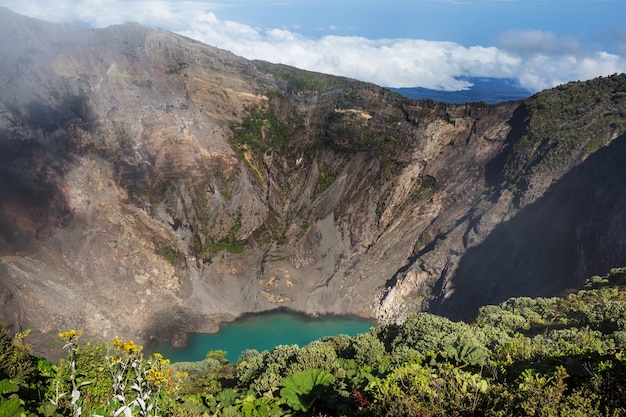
x=264, y=332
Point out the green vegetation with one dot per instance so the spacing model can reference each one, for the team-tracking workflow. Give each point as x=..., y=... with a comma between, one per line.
x=384, y=150
x=561, y=356
x=261, y=131
x=302, y=389
x=428, y=182
x=303, y=80
x=570, y=120
x=326, y=178
x=172, y=256
x=351, y=131
x=229, y=243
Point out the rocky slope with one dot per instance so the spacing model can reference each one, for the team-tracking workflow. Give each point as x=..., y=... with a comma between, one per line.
x=153, y=186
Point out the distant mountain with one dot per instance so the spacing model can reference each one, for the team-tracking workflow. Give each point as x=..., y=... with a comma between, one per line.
x=487, y=90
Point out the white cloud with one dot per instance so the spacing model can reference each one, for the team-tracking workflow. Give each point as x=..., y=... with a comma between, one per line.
x=548, y=60
x=167, y=14
x=537, y=59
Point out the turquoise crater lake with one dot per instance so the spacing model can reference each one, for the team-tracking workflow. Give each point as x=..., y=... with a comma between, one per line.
x=264, y=332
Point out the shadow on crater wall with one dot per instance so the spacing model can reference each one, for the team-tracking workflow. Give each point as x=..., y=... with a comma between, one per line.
x=33, y=161
x=577, y=229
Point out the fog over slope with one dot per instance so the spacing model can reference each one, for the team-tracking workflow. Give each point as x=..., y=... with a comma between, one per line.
x=153, y=185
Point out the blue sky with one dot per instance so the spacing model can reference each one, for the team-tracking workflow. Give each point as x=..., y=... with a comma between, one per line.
x=476, y=22
x=426, y=43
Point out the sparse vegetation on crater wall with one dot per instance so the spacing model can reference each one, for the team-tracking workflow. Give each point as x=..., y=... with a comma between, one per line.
x=569, y=121
x=304, y=81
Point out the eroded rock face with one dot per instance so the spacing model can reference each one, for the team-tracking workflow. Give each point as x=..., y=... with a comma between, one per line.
x=154, y=186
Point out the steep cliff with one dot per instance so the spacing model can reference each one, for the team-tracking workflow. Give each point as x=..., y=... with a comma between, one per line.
x=153, y=185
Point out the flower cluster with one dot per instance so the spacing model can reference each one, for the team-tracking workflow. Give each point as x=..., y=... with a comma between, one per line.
x=138, y=382
x=127, y=347
x=70, y=334
x=158, y=374
x=162, y=362
x=156, y=377
x=71, y=344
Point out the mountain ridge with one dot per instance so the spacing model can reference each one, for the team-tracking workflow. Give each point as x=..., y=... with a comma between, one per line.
x=488, y=90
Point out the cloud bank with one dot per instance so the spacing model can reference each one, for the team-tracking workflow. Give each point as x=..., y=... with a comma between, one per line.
x=537, y=59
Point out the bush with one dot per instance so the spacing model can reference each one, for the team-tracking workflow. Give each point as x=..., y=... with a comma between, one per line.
x=427, y=333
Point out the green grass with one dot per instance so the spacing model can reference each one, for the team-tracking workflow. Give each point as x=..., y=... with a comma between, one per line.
x=303, y=80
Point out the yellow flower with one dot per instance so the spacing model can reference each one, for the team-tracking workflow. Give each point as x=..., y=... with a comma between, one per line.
x=128, y=347
x=156, y=377
x=70, y=334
